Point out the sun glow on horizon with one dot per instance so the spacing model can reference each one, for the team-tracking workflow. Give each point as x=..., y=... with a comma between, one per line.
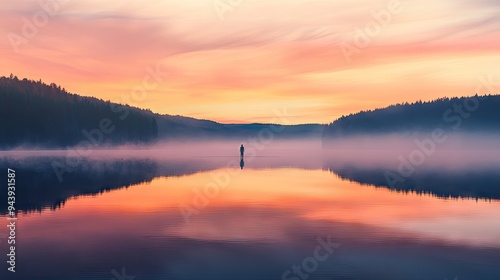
x=239, y=66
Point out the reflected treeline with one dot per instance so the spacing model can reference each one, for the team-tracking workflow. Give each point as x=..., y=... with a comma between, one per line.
x=477, y=183
x=38, y=187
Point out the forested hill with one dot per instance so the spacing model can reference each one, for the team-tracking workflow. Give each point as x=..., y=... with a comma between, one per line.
x=33, y=113
x=465, y=114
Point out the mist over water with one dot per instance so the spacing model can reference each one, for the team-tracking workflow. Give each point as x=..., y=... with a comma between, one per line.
x=452, y=151
x=126, y=207
x=298, y=153
x=461, y=166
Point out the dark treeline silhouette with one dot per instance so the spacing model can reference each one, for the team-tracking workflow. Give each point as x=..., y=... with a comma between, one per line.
x=34, y=113
x=465, y=114
x=40, y=188
x=476, y=184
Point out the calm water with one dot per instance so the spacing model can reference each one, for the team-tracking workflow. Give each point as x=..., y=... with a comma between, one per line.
x=192, y=215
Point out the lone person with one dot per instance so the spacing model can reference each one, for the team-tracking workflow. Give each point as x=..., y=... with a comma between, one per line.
x=242, y=150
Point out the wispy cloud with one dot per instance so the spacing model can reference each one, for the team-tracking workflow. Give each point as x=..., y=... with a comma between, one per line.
x=264, y=51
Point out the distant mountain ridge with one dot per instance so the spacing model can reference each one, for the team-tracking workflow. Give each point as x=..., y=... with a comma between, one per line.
x=178, y=127
x=35, y=114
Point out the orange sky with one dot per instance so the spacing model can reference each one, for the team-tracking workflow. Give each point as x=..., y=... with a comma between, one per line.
x=239, y=63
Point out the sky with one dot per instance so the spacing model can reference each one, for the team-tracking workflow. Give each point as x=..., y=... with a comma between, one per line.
x=243, y=61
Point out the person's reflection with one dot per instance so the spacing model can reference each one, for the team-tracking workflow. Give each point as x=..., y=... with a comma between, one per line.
x=242, y=154
x=242, y=162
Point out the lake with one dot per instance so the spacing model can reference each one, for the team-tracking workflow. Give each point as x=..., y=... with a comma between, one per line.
x=284, y=212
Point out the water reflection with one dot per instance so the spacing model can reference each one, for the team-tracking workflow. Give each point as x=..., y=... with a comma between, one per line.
x=262, y=223
x=95, y=175
x=265, y=220
x=480, y=184
x=448, y=175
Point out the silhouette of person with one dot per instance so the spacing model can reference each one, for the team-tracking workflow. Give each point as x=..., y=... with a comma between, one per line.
x=242, y=150
x=242, y=163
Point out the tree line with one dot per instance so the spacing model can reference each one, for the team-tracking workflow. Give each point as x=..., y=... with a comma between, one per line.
x=33, y=113
x=475, y=113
